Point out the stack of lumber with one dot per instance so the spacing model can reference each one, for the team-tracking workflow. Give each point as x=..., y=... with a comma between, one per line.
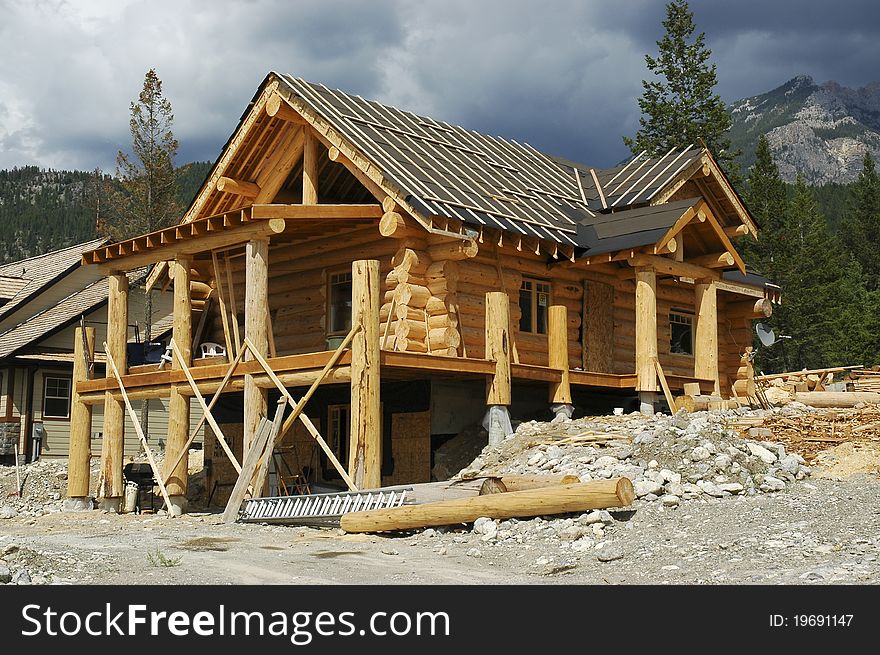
x=802, y=381
x=866, y=380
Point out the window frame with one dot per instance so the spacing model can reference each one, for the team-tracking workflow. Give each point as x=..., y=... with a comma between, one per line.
x=331, y=273
x=535, y=305
x=682, y=313
x=57, y=376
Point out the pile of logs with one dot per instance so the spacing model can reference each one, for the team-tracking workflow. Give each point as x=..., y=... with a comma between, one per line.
x=866, y=380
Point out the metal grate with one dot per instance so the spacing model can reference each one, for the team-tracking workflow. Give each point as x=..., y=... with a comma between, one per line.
x=318, y=509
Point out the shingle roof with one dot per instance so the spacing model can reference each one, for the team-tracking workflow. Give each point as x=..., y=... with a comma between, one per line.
x=485, y=180
x=53, y=318
x=35, y=273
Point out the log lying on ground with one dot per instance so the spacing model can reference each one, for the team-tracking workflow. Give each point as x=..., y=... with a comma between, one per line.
x=537, y=481
x=430, y=492
x=836, y=398
x=703, y=403
x=598, y=494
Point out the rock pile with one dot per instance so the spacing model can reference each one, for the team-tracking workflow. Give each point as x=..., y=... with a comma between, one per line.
x=668, y=458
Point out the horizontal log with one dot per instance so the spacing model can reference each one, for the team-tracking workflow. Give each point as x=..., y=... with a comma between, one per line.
x=616, y=492
x=412, y=295
x=448, y=351
x=443, y=321
x=397, y=226
x=411, y=259
x=238, y=187
x=837, y=398
x=447, y=336
x=411, y=329
x=404, y=344
x=453, y=250
x=522, y=482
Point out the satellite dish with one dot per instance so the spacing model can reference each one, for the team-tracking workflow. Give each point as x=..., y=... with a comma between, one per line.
x=765, y=334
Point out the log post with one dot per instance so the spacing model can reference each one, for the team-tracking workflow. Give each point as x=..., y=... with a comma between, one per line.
x=80, y=449
x=706, y=333
x=113, y=445
x=365, y=446
x=557, y=339
x=498, y=349
x=178, y=403
x=255, y=330
x=646, y=337
x=310, y=168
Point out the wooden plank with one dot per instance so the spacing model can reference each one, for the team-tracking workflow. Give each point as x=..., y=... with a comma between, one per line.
x=598, y=326
x=557, y=338
x=307, y=212
x=263, y=469
x=140, y=432
x=218, y=280
x=598, y=494
x=706, y=334
x=365, y=449
x=248, y=468
x=666, y=392
x=498, y=347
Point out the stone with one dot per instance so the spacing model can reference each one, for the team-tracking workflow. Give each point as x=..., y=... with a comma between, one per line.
x=474, y=552
x=769, y=483
x=723, y=461
x=596, y=516
x=572, y=532
x=762, y=453
x=7, y=512
x=670, y=500
x=708, y=445
x=699, y=454
x=654, y=476
x=789, y=464
x=645, y=487
x=78, y=505
x=606, y=461
x=485, y=526
x=731, y=487
x=582, y=545
x=711, y=489
x=643, y=437
x=5, y=573
x=670, y=476
x=609, y=553
x=673, y=489
x=21, y=577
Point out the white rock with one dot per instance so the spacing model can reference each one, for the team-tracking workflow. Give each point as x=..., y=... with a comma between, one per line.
x=670, y=500
x=723, y=461
x=699, y=454
x=606, y=461
x=7, y=512
x=772, y=484
x=645, y=487
x=759, y=451
x=653, y=464
x=670, y=476
x=708, y=445
x=536, y=459
x=789, y=464
x=654, y=476
x=474, y=552
x=674, y=489
x=711, y=489
x=731, y=487
x=485, y=526
x=596, y=516
x=583, y=544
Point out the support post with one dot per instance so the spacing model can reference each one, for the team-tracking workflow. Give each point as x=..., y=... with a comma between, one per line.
x=255, y=331
x=365, y=447
x=80, y=449
x=706, y=333
x=557, y=341
x=646, y=337
x=310, y=168
x=498, y=349
x=178, y=403
x=113, y=446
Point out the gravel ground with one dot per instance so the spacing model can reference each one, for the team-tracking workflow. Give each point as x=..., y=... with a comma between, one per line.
x=713, y=507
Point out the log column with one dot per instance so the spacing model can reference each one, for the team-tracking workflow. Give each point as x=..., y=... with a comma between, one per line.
x=646, y=337
x=256, y=331
x=557, y=340
x=113, y=445
x=498, y=349
x=365, y=442
x=80, y=449
x=706, y=332
x=179, y=404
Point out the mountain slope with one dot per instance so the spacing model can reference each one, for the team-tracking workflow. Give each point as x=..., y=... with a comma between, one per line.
x=43, y=210
x=819, y=131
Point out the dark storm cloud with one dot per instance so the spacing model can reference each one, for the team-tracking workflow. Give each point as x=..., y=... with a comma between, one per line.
x=563, y=75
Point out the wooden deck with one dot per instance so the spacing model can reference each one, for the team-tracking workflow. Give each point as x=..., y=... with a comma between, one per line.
x=301, y=370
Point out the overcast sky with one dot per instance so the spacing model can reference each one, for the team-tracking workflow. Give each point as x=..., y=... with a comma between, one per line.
x=563, y=75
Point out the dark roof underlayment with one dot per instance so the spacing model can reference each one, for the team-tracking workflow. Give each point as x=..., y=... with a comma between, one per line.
x=453, y=172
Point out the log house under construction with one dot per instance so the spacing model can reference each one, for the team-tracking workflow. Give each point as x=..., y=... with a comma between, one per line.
x=403, y=274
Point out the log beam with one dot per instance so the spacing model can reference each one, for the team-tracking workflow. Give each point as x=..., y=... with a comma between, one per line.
x=277, y=107
x=80, y=448
x=179, y=404
x=113, y=446
x=365, y=447
x=557, y=338
x=714, y=260
x=706, y=334
x=310, y=168
x=256, y=331
x=498, y=347
x=671, y=267
x=646, y=329
x=238, y=187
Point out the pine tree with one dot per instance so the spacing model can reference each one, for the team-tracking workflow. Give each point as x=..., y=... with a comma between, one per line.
x=860, y=227
x=767, y=199
x=681, y=106
x=147, y=200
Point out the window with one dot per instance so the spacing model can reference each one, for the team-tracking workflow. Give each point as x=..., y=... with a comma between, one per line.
x=338, y=424
x=56, y=398
x=681, y=328
x=339, y=303
x=534, y=299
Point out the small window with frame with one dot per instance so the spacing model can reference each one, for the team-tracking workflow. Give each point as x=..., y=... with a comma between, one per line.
x=534, y=301
x=338, y=302
x=56, y=397
x=681, y=329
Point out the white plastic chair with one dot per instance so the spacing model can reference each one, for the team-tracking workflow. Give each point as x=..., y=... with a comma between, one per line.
x=211, y=349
